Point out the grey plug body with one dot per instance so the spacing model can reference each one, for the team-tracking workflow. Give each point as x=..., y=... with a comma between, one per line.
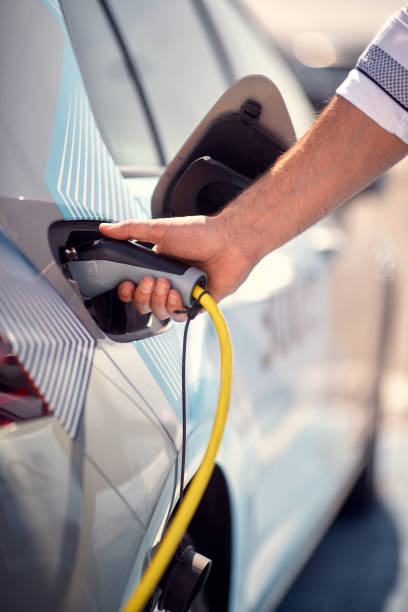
x=101, y=265
x=96, y=277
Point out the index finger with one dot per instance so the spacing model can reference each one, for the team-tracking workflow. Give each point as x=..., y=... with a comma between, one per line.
x=146, y=231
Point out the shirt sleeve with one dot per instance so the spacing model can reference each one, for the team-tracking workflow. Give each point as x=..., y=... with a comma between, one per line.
x=378, y=85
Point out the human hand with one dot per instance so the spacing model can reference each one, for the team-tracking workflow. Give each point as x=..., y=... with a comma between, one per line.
x=199, y=241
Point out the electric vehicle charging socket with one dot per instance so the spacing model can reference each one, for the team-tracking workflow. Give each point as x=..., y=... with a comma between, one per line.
x=103, y=264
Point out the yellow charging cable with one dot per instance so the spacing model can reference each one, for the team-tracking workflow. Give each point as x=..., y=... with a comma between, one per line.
x=192, y=498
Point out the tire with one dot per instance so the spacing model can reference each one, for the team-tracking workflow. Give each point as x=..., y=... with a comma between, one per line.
x=200, y=604
x=363, y=493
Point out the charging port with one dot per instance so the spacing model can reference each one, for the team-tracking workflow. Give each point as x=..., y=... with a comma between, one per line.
x=118, y=320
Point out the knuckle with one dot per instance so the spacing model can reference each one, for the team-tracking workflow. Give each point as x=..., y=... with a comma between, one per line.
x=146, y=286
x=161, y=290
x=141, y=303
x=126, y=291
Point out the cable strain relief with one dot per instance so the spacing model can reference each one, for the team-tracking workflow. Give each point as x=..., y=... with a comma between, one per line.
x=194, y=310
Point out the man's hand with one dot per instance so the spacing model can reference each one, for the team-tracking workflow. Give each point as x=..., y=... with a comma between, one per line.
x=199, y=241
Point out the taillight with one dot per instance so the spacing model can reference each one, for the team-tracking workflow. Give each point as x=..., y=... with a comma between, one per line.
x=19, y=400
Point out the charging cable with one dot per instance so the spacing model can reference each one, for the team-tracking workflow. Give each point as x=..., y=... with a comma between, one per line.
x=189, y=503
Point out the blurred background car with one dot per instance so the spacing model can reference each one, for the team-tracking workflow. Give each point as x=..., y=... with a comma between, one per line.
x=323, y=43
x=336, y=578
x=88, y=483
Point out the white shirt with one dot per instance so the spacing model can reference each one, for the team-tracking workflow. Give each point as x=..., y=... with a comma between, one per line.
x=378, y=85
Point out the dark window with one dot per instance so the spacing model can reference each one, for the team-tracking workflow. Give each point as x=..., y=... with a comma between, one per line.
x=114, y=98
x=177, y=64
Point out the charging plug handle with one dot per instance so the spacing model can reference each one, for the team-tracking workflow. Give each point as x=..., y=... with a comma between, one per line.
x=103, y=264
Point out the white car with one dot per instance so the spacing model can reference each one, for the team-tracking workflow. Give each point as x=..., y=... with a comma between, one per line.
x=97, y=98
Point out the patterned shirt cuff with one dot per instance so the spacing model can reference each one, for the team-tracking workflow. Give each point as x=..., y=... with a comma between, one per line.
x=378, y=85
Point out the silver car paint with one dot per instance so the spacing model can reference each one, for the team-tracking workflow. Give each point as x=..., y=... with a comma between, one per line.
x=79, y=507
x=30, y=84
x=111, y=500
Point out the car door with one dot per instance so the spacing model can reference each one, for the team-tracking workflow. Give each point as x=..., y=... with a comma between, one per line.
x=297, y=444
x=108, y=460
x=87, y=481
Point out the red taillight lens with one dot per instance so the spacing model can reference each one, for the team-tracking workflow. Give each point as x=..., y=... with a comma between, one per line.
x=19, y=400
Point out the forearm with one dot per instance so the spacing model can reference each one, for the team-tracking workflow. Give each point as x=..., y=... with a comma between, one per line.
x=342, y=153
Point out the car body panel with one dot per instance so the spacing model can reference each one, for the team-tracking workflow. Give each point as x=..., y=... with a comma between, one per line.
x=84, y=505
x=134, y=488
x=273, y=123
x=29, y=99
x=281, y=335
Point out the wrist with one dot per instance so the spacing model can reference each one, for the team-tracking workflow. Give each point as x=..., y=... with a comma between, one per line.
x=245, y=220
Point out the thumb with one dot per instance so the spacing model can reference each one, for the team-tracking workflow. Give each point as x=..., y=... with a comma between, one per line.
x=146, y=231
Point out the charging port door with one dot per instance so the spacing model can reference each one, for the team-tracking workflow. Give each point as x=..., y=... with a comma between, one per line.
x=239, y=139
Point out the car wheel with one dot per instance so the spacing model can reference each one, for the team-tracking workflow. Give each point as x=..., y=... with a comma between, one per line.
x=363, y=494
x=200, y=604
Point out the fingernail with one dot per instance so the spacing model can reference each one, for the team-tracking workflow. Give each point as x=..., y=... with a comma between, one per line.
x=146, y=286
